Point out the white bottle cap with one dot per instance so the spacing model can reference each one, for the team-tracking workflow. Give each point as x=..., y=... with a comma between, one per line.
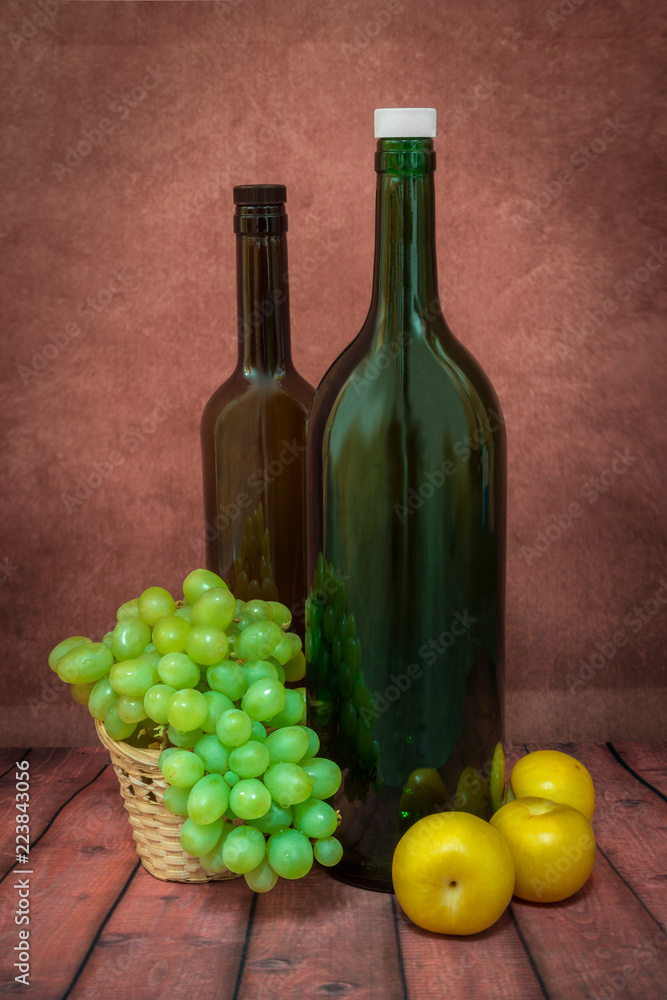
x=405, y=123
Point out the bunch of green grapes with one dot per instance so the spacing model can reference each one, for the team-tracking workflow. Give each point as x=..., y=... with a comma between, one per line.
x=208, y=677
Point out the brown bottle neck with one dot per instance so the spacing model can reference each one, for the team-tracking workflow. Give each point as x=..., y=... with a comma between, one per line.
x=262, y=290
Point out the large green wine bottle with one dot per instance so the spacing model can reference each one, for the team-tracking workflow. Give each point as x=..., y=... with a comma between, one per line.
x=253, y=428
x=406, y=466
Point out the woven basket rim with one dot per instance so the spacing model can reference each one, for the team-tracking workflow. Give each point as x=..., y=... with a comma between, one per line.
x=135, y=754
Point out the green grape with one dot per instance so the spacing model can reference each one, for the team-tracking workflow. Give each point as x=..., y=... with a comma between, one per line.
x=133, y=677
x=64, y=647
x=263, y=878
x=323, y=706
x=283, y=652
x=258, y=731
x=179, y=671
x=329, y=623
x=232, y=778
x=208, y=799
x=181, y=768
x=107, y=639
x=130, y=609
x=234, y=727
x=239, y=607
x=328, y=851
x=156, y=700
x=315, y=818
x=176, y=800
x=217, y=704
x=198, y=581
x=258, y=641
x=150, y=648
x=187, y=710
x=295, y=669
x=288, y=784
x=155, y=603
x=258, y=610
x=85, y=663
x=212, y=861
x=280, y=613
x=185, y=612
x=101, y=697
x=295, y=641
x=290, y=853
x=336, y=651
x=244, y=849
x=214, y=607
x=198, y=839
x=325, y=774
x=169, y=634
x=250, y=760
x=353, y=654
x=264, y=699
x=242, y=621
x=150, y=656
x=131, y=709
x=281, y=672
x=350, y=628
x=82, y=692
x=130, y=638
x=293, y=711
x=287, y=745
x=346, y=681
x=214, y=756
x=255, y=670
x=341, y=630
x=206, y=644
x=313, y=742
x=275, y=819
x=250, y=799
x=184, y=741
x=348, y=718
x=114, y=725
x=228, y=678
x=165, y=754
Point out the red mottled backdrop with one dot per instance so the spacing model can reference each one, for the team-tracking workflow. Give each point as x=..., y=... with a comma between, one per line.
x=125, y=126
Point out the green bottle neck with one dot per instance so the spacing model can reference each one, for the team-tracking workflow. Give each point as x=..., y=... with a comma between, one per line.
x=405, y=272
x=262, y=290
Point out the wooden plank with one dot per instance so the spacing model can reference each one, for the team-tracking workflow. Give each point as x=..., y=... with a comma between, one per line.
x=55, y=775
x=630, y=822
x=493, y=964
x=611, y=942
x=186, y=939
x=79, y=867
x=8, y=758
x=316, y=937
x=649, y=760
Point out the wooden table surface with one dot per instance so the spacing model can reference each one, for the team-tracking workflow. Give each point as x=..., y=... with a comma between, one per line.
x=102, y=927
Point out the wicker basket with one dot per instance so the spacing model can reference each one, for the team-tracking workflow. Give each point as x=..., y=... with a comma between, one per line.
x=156, y=831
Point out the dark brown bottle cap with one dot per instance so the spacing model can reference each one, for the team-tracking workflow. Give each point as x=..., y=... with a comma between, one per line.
x=260, y=194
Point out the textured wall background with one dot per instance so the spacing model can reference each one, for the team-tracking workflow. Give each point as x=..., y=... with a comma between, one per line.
x=125, y=126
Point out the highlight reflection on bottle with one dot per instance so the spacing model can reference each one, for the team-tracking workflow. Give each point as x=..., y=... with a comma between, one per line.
x=406, y=539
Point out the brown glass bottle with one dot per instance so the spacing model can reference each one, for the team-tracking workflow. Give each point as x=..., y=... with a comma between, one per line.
x=253, y=427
